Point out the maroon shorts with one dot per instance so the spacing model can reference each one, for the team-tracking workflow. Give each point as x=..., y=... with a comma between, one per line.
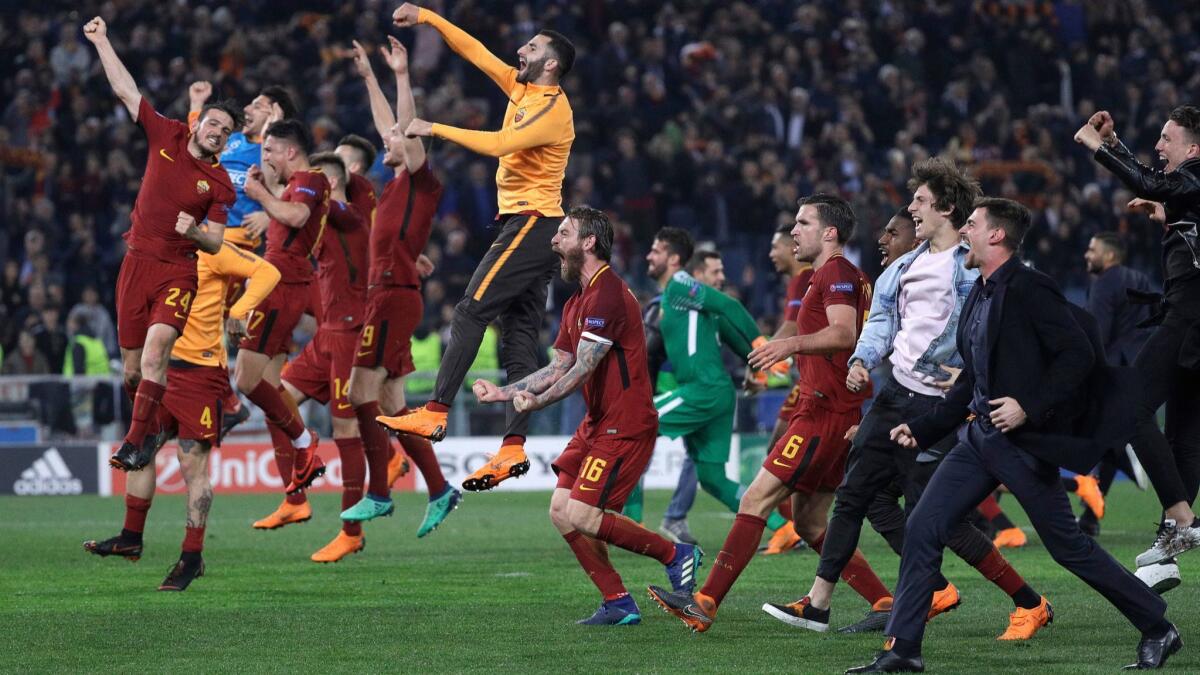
x=195, y=401
x=150, y=291
x=602, y=472
x=789, y=404
x=270, y=325
x=322, y=371
x=810, y=457
x=393, y=313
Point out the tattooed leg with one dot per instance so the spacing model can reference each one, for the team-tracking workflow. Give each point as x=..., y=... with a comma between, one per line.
x=193, y=463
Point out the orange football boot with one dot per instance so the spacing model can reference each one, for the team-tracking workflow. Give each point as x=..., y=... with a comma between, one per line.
x=286, y=514
x=341, y=546
x=397, y=466
x=509, y=462
x=421, y=422
x=783, y=540
x=943, y=601
x=697, y=612
x=1024, y=623
x=1088, y=489
x=308, y=465
x=1012, y=537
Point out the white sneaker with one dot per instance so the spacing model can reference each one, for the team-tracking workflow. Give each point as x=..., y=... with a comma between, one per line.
x=1170, y=542
x=1160, y=577
x=1139, y=474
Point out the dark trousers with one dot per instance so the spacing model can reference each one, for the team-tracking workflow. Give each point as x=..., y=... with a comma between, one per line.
x=510, y=284
x=1171, y=460
x=876, y=467
x=981, y=460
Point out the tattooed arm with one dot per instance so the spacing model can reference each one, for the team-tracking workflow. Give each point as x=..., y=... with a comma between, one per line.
x=587, y=356
x=537, y=382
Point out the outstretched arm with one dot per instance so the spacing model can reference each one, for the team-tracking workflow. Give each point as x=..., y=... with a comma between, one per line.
x=96, y=31
x=381, y=112
x=587, y=356
x=397, y=60
x=536, y=382
x=504, y=75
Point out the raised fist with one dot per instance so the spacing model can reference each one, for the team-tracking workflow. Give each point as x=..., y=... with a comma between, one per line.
x=96, y=30
x=405, y=15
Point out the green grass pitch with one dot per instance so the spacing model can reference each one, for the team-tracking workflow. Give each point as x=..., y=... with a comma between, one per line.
x=495, y=589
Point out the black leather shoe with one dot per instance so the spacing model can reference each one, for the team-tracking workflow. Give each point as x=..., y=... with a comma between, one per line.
x=890, y=662
x=1153, y=652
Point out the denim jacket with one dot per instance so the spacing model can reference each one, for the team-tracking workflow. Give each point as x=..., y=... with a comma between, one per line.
x=883, y=323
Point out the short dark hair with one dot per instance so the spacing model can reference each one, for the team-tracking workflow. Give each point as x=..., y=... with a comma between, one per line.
x=1008, y=215
x=564, y=51
x=952, y=187
x=699, y=260
x=293, y=131
x=785, y=228
x=593, y=223
x=1113, y=242
x=283, y=99
x=678, y=241
x=334, y=161
x=1188, y=117
x=229, y=108
x=364, y=148
x=903, y=214
x=834, y=212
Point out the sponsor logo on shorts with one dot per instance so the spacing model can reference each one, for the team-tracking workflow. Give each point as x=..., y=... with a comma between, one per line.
x=366, y=353
x=841, y=287
x=343, y=406
x=48, y=475
x=785, y=465
x=595, y=322
x=585, y=488
x=202, y=187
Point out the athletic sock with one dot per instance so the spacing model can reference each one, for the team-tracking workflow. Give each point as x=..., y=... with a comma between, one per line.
x=514, y=439
x=420, y=451
x=145, y=408
x=354, y=470
x=434, y=406
x=377, y=447
x=996, y=569
x=740, y=546
x=136, y=509
x=276, y=409
x=598, y=568
x=990, y=508
x=713, y=480
x=624, y=533
x=285, y=459
x=858, y=575
x=193, y=540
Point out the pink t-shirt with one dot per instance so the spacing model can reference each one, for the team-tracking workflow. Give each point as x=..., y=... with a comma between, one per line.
x=925, y=305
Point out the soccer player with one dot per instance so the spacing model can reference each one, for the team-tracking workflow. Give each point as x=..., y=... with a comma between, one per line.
x=298, y=220
x=807, y=462
x=1170, y=360
x=193, y=405
x=601, y=347
x=184, y=184
x=696, y=319
x=394, y=306
x=914, y=316
x=322, y=370
x=511, y=281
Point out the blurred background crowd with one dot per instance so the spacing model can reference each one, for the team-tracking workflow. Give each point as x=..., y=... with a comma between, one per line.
x=713, y=116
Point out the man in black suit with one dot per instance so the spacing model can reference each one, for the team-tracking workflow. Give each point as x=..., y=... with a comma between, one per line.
x=1027, y=364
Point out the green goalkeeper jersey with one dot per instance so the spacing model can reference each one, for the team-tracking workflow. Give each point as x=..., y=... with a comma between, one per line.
x=696, y=319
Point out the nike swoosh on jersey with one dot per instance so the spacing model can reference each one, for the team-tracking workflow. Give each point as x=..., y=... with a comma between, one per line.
x=163, y=152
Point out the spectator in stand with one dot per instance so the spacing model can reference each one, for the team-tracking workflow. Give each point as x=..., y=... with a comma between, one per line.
x=26, y=359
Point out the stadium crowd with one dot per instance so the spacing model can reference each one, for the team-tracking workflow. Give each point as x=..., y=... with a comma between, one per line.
x=710, y=116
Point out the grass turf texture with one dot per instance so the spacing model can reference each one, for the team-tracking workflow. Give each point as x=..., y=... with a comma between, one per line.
x=495, y=588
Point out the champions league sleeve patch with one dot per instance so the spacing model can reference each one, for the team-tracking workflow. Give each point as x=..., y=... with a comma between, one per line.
x=594, y=322
x=842, y=287
x=308, y=191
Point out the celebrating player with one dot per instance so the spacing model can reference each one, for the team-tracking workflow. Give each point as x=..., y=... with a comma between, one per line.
x=184, y=184
x=600, y=346
x=192, y=407
x=511, y=281
x=807, y=463
x=394, y=305
x=298, y=218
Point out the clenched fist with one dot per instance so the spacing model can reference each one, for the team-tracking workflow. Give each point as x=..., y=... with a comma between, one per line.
x=96, y=31
x=185, y=224
x=406, y=15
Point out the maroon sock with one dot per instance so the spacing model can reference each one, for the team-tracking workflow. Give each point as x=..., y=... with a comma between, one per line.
x=354, y=470
x=624, y=533
x=997, y=570
x=740, y=546
x=598, y=568
x=277, y=411
x=285, y=457
x=136, y=509
x=145, y=409
x=193, y=541
x=434, y=406
x=131, y=391
x=377, y=447
x=990, y=508
x=785, y=509
x=513, y=439
x=420, y=451
x=859, y=575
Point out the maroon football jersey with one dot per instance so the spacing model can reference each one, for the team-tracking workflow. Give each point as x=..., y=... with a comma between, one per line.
x=823, y=376
x=290, y=249
x=797, y=287
x=618, y=395
x=402, y=225
x=342, y=268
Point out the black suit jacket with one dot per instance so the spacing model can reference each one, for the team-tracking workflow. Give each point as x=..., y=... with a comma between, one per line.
x=1039, y=355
